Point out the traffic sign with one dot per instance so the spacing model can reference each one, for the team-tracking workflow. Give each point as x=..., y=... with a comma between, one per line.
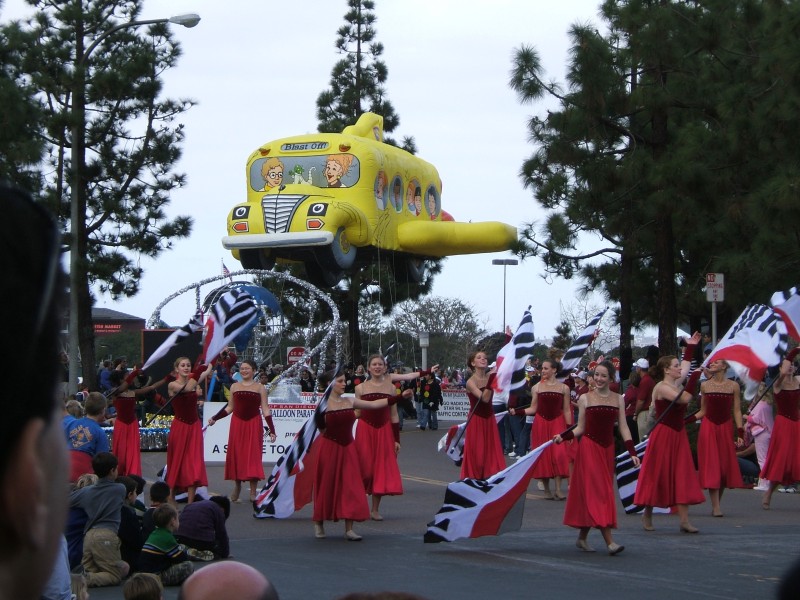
x=715, y=287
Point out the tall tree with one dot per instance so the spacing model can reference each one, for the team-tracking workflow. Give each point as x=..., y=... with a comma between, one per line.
x=357, y=86
x=90, y=70
x=665, y=145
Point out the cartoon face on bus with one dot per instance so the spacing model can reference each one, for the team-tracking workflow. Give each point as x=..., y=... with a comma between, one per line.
x=272, y=172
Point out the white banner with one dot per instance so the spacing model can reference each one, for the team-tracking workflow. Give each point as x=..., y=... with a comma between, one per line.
x=290, y=409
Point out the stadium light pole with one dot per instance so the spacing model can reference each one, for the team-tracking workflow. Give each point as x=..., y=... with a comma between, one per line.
x=77, y=214
x=505, y=262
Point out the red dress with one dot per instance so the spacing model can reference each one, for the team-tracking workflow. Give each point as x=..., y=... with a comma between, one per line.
x=185, y=463
x=375, y=446
x=782, y=464
x=125, y=443
x=716, y=453
x=668, y=476
x=549, y=422
x=338, y=487
x=483, y=455
x=245, y=439
x=591, y=501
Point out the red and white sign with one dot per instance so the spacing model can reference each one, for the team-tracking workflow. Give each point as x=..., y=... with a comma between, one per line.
x=715, y=287
x=294, y=354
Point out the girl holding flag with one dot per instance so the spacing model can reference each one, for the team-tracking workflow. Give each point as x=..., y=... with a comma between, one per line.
x=243, y=460
x=782, y=466
x=668, y=477
x=339, y=491
x=591, y=501
x=186, y=467
x=483, y=454
x=716, y=452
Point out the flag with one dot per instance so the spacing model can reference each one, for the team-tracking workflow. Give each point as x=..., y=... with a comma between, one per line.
x=628, y=477
x=288, y=487
x=756, y=340
x=512, y=358
x=225, y=271
x=573, y=356
x=787, y=305
x=194, y=325
x=477, y=507
x=234, y=313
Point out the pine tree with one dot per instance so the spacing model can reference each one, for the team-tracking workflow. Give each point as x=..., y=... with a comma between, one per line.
x=357, y=86
x=130, y=143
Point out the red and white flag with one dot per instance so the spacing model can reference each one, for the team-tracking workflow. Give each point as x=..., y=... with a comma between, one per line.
x=787, y=305
x=756, y=340
x=477, y=507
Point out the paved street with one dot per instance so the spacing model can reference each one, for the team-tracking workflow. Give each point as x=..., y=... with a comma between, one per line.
x=742, y=555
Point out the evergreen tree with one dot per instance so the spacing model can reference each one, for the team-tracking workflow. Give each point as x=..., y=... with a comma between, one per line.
x=672, y=137
x=562, y=340
x=357, y=86
x=129, y=145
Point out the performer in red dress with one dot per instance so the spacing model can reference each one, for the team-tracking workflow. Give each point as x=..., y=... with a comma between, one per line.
x=550, y=402
x=591, y=501
x=716, y=452
x=126, y=443
x=782, y=465
x=483, y=454
x=668, y=476
x=339, y=491
x=243, y=461
x=378, y=434
x=186, y=467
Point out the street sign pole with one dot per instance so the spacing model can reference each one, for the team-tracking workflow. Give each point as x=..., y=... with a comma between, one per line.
x=715, y=292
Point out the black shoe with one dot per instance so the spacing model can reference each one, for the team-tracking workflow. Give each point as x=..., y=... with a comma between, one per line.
x=422, y=429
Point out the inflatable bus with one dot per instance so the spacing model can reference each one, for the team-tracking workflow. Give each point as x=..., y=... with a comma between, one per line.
x=335, y=201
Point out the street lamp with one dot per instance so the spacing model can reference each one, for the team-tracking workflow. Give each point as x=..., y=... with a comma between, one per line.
x=505, y=262
x=78, y=286
x=424, y=342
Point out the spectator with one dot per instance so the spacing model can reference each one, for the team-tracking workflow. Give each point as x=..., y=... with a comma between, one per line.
x=143, y=586
x=228, y=579
x=631, y=393
x=76, y=523
x=758, y=425
x=644, y=394
x=32, y=455
x=104, y=376
x=431, y=395
x=202, y=528
x=72, y=412
x=159, y=494
x=130, y=528
x=102, y=561
x=86, y=436
x=59, y=585
x=162, y=555
x=78, y=587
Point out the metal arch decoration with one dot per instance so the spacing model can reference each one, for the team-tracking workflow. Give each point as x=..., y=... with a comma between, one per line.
x=333, y=333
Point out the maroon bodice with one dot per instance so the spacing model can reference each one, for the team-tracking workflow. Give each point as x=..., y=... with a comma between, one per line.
x=674, y=418
x=599, y=426
x=718, y=407
x=246, y=404
x=549, y=405
x=126, y=408
x=788, y=404
x=484, y=409
x=339, y=425
x=378, y=417
x=185, y=407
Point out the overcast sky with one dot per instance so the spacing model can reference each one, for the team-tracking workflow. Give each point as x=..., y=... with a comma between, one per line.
x=256, y=68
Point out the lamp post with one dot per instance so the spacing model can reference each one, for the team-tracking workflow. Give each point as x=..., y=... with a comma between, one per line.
x=424, y=342
x=505, y=262
x=79, y=299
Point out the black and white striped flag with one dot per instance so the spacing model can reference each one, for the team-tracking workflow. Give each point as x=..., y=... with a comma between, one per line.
x=234, y=313
x=628, y=478
x=573, y=356
x=787, y=305
x=512, y=357
x=757, y=339
x=194, y=325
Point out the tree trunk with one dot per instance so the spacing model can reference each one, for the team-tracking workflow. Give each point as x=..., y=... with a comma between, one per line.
x=625, y=316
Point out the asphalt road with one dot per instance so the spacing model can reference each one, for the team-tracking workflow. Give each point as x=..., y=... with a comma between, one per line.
x=742, y=555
